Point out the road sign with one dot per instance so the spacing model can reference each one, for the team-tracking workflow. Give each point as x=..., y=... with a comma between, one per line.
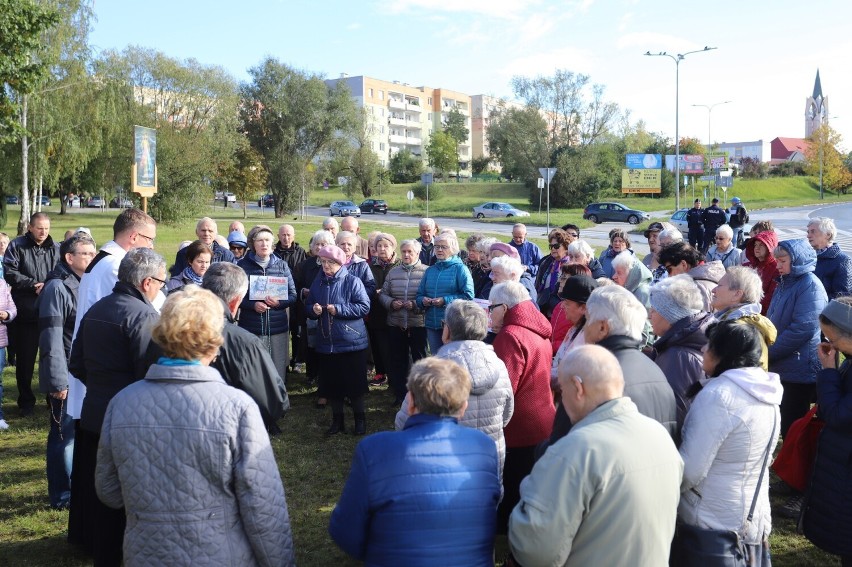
x=410, y=195
x=426, y=178
x=644, y=161
x=547, y=173
x=540, y=182
x=724, y=181
x=707, y=177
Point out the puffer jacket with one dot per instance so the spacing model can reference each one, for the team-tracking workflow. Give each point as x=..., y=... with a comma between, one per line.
x=706, y=276
x=211, y=493
x=678, y=354
x=449, y=279
x=359, y=268
x=834, y=269
x=733, y=257
x=378, y=318
x=523, y=344
x=57, y=311
x=638, y=282
x=827, y=519
x=402, y=485
x=491, y=403
x=402, y=283
x=6, y=304
x=768, y=269
x=274, y=321
x=797, y=301
x=345, y=331
x=725, y=436
x=606, y=258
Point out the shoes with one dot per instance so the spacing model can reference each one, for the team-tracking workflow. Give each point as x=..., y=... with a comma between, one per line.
x=793, y=507
x=338, y=425
x=3, y=425
x=378, y=380
x=360, y=423
x=781, y=488
x=27, y=411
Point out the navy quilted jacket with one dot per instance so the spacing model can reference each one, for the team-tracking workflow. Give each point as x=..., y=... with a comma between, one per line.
x=834, y=269
x=345, y=331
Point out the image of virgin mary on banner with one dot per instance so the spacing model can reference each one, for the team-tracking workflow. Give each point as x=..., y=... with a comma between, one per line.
x=145, y=148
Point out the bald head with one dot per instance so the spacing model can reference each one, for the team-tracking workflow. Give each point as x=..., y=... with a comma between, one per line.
x=589, y=376
x=350, y=224
x=286, y=235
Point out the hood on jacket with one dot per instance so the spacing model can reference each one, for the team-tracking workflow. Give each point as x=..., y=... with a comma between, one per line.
x=637, y=275
x=466, y=352
x=710, y=271
x=759, y=384
x=689, y=332
x=525, y=314
x=802, y=256
x=738, y=311
x=769, y=239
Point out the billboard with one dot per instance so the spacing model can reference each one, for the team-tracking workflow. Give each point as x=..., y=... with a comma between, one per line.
x=641, y=180
x=689, y=163
x=717, y=160
x=644, y=161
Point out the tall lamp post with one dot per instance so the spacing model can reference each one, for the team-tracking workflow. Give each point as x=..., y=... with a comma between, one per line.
x=710, y=108
x=677, y=59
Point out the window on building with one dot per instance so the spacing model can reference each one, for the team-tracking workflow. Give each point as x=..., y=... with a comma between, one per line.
x=370, y=93
x=381, y=146
x=429, y=101
x=381, y=95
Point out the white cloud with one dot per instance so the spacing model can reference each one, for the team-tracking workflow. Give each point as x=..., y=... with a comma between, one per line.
x=545, y=63
x=625, y=22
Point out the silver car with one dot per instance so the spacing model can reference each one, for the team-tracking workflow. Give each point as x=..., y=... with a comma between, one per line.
x=495, y=209
x=344, y=209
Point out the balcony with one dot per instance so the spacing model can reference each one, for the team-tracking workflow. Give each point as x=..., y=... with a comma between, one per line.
x=395, y=103
x=413, y=107
x=411, y=125
x=396, y=121
x=414, y=141
x=393, y=139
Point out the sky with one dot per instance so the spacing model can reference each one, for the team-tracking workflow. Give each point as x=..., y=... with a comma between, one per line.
x=765, y=63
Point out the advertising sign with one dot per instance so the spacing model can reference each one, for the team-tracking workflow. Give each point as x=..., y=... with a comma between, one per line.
x=717, y=160
x=689, y=163
x=641, y=180
x=644, y=161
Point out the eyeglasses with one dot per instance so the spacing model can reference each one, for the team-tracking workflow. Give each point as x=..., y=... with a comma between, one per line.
x=151, y=240
x=442, y=247
x=555, y=246
x=233, y=247
x=491, y=308
x=162, y=282
x=573, y=234
x=87, y=254
x=325, y=262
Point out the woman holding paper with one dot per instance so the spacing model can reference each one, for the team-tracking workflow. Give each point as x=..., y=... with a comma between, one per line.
x=264, y=313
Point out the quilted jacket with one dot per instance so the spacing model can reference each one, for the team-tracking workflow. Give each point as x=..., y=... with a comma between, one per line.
x=345, y=331
x=834, y=269
x=449, y=279
x=189, y=459
x=402, y=283
x=491, y=402
x=274, y=321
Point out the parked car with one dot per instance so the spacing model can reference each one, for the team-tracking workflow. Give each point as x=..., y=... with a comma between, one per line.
x=121, y=203
x=494, y=209
x=96, y=202
x=344, y=209
x=613, y=212
x=220, y=196
x=45, y=201
x=374, y=206
x=12, y=200
x=266, y=201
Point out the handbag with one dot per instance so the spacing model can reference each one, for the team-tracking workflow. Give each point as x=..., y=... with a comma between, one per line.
x=795, y=460
x=704, y=547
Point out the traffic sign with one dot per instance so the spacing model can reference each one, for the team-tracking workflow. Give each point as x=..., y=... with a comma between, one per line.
x=410, y=195
x=426, y=178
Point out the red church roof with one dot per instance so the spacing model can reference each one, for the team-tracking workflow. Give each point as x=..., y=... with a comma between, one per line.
x=782, y=148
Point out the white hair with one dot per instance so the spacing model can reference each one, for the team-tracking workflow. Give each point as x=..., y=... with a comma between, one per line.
x=451, y=241
x=747, y=280
x=508, y=294
x=426, y=222
x=624, y=314
x=509, y=266
x=680, y=290
x=826, y=226
x=672, y=234
x=484, y=245
x=624, y=260
x=581, y=248
x=329, y=221
x=321, y=237
x=725, y=231
x=413, y=243
x=343, y=235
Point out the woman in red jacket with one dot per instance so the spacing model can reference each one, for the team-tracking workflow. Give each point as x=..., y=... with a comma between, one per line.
x=760, y=257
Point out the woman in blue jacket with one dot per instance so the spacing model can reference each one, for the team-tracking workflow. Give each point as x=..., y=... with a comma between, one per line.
x=340, y=302
x=267, y=318
x=795, y=303
x=445, y=281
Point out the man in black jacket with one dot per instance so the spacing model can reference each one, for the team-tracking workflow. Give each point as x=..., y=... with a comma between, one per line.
x=695, y=222
x=289, y=250
x=243, y=360
x=28, y=260
x=206, y=231
x=714, y=217
x=57, y=311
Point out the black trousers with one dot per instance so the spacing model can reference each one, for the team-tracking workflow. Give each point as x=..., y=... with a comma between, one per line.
x=23, y=336
x=519, y=463
x=405, y=346
x=795, y=403
x=696, y=237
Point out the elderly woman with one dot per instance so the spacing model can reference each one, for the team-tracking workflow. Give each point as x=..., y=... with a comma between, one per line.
x=473, y=257
x=509, y=271
x=759, y=256
x=652, y=259
x=406, y=334
x=724, y=250
x=446, y=280
x=579, y=252
x=619, y=241
x=826, y=520
x=198, y=258
x=357, y=266
x=729, y=433
x=491, y=403
x=264, y=313
x=833, y=268
x=680, y=323
x=547, y=278
x=339, y=301
x=632, y=275
x=482, y=284
x=217, y=458
x=306, y=273
x=523, y=344
x=383, y=262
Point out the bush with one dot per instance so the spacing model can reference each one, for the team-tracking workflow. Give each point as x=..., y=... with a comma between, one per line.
x=751, y=168
x=420, y=191
x=788, y=169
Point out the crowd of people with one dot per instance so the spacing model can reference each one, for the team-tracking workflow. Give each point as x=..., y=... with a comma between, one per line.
x=565, y=400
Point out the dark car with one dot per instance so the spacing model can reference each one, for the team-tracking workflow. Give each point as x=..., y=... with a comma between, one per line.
x=374, y=206
x=613, y=212
x=12, y=200
x=45, y=201
x=266, y=201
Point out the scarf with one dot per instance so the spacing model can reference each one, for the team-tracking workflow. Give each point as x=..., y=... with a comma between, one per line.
x=189, y=274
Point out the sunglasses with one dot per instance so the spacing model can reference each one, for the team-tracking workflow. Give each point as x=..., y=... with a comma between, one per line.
x=555, y=246
x=491, y=308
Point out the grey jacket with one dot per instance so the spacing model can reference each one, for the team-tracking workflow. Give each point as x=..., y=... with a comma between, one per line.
x=491, y=402
x=189, y=459
x=57, y=311
x=402, y=283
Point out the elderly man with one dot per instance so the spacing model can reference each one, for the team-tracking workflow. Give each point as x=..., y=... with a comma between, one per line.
x=833, y=267
x=362, y=247
x=206, y=231
x=607, y=493
x=57, y=311
x=112, y=349
x=288, y=249
x=615, y=320
x=28, y=260
x=427, y=247
x=530, y=254
x=399, y=507
x=330, y=224
x=244, y=360
x=236, y=226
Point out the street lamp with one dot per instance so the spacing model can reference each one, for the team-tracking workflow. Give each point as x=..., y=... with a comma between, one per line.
x=710, y=108
x=677, y=59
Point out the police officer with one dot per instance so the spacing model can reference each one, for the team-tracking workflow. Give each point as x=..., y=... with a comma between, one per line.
x=713, y=217
x=695, y=222
x=738, y=218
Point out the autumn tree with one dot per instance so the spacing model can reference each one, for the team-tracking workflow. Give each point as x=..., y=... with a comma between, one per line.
x=823, y=159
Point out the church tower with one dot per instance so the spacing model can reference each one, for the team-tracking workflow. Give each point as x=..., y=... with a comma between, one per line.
x=816, y=109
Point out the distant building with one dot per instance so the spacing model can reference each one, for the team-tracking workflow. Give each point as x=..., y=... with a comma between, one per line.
x=788, y=149
x=816, y=109
x=757, y=149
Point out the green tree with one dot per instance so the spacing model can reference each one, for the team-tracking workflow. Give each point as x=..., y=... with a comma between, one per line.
x=455, y=126
x=244, y=175
x=405, y=167
x=517, y=140
x=442, y=152
x=480, y=164
x=291, y=117
x=822, y=156
x=365, y=170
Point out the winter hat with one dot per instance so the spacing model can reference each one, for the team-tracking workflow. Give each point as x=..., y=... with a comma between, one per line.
x=237, y=238
x=840, y=315
x=578, y=288
x=663, y=299
x=654, y=227
x=333, y=253
x=505, y=249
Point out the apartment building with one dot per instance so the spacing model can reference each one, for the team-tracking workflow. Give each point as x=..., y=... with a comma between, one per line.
x=404, y=117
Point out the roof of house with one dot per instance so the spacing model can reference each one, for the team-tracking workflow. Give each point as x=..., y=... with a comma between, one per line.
x=790, y=145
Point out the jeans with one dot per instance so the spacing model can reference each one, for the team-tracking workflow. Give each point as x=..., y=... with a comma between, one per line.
x=433, y=337
x=2, y=366
x=60, y=452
